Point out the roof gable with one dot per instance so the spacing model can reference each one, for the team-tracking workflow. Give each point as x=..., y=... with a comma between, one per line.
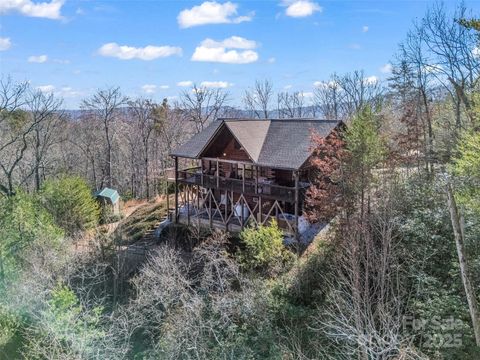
x=279, y=143
x=250, y=134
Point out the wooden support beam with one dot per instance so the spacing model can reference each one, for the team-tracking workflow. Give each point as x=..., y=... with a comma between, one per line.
x=226, y=210
x=243, y=178
x=176, y=190
x=296, y=205
x=260, y=210
x=242, y=217
x=168, y=200
x=188, y=204
x=210, y=218
x=198, y=205
x=218, y=175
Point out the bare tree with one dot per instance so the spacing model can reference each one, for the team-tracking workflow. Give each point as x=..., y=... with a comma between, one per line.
x=342, y=97
x=143, y=116
x=257, y=100
x=88, y=144
x=46, y=112
x=105, y=105
x=16, y=126
x=291, y=105
x=359, y=91
x=364, y=313
x=202, y=105
x=451, y=57
x=328, y=98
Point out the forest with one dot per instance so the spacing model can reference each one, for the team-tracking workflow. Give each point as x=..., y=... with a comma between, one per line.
x=396, y=276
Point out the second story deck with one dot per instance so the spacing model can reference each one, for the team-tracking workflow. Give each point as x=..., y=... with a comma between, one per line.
x=241, y=182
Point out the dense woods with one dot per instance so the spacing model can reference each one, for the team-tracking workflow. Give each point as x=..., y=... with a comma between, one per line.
x=396, y=274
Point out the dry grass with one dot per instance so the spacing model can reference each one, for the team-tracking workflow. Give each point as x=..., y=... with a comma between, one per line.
x=140, y=221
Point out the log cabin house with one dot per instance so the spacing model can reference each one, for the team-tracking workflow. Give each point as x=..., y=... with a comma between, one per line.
x=246, y=171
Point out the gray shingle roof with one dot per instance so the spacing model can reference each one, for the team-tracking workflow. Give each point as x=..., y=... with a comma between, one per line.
x=278, y=143
x=193, y=147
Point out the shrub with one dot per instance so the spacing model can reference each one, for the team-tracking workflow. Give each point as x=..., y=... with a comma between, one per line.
x=263, y=248
x=71, y=203
x=65, y=328
x=23, y=223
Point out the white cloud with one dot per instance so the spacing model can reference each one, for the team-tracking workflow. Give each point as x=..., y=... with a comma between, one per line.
x=38, y=59
x=307, y=95
x=147, y=53
x=149, y=89
x=46, y=88
x=271, y=60
x=211, y=12
x=476, y=52
x=68, y=92
x=5, y=43
x=301, y=8
x=164, y=87
x=215, y=84
x=49, y=10
x=233, y=42
x=325, y=84
x=370, y=80
x=63, y=92
x=365, y=28
x=186, y=83
x=287, y=87
x=217, y=51
x=355, y=46
x=386, y=69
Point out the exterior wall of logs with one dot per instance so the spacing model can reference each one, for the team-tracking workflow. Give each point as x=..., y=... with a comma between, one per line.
x=231, y=194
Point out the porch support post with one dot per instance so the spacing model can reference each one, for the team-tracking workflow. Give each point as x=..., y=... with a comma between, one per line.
x=242, y=217
x=201, y=169
x=256, y=179
x=198, y=205
x=243, y=177
x=176, y=190
x=218, y=175
x=259, y=210
x=295, y=174
x=188, y=204
x=168, y=200
x=210, y=195
x=226, y=209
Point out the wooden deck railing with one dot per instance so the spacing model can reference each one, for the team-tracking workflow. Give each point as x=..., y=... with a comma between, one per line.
x=194, y=176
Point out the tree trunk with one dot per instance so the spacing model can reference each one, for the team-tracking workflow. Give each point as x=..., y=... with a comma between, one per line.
x=429, y=132
x=458, y=231
x=108, y=168
x=37, y=160
x=147, y=184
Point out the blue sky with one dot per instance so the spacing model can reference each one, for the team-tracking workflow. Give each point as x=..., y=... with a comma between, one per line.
x=151, y=48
